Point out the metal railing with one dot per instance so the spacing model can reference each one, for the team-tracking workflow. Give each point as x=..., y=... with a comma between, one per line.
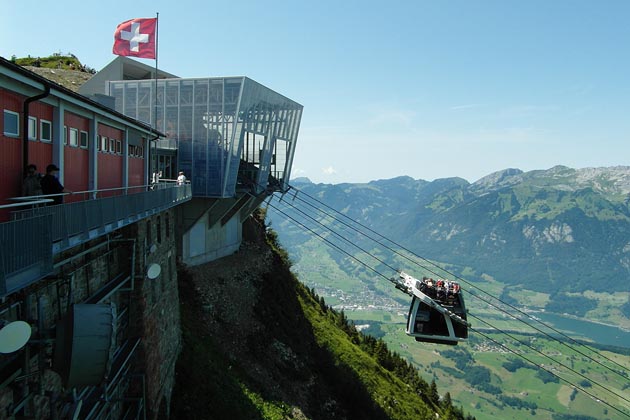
x=87, y=194
x=57, y=228
x=74, y=223
x=25, y=252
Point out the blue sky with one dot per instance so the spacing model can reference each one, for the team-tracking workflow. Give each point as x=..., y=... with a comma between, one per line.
x=425, y=89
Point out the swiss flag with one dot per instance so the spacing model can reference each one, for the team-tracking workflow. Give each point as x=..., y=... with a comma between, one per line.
x=136, y=38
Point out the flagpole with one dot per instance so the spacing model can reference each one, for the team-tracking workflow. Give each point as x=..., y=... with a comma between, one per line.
x=155, y=101
x=157, y=39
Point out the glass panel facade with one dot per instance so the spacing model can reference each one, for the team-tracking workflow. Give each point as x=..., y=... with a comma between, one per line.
x=231, y=133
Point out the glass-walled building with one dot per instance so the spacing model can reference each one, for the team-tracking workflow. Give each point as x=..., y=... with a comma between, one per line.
x=229, y=133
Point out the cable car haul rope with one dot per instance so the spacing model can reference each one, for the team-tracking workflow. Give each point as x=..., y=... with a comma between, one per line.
x=437, y=312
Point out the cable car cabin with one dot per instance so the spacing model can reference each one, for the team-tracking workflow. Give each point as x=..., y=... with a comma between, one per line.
x=437, y=313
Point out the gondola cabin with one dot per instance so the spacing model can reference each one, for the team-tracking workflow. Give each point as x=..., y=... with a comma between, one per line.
x=437, y=313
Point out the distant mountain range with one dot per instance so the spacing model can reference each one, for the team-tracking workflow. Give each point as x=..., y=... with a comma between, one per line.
x=558, y=230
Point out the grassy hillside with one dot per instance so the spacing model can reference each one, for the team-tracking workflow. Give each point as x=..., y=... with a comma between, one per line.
x=65, y=70
x=495, y=384
x=55, y=61
x=260, y=345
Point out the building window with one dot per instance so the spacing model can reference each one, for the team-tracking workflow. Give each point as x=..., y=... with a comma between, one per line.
x=65, y=135
x=45, y=130
x=11, y=123
x=83, y=140
x=104, y=144
x=119, y=147
x=74, y=137
x=98, y=143
x=140, y=152
x=112, y=145
x=168, y=225
x=32, y=128
x=159, y=229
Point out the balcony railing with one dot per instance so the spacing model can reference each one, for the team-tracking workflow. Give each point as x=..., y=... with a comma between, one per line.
x=30, y=240
x=26, y=252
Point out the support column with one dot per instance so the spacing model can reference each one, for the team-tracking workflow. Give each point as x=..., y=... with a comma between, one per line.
x=147, y=165
x=125, y=165
x=262, y=180
x=58, y=134
x=93, y=154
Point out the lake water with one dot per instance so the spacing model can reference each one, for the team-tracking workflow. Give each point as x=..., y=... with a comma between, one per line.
x=590, y=330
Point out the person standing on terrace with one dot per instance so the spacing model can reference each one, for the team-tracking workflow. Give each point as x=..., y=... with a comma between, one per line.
x=31, y=185
x=51, y=185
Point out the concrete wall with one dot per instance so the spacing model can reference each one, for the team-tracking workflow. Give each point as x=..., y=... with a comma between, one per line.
x=203, y=236
x=201, y=244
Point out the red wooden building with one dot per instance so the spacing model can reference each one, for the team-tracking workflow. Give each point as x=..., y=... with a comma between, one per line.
x=95, y=147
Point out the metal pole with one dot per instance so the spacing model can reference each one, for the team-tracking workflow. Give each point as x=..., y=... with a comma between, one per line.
x=155, y=102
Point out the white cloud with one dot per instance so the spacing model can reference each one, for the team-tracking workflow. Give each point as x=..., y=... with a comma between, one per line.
x=329, y=171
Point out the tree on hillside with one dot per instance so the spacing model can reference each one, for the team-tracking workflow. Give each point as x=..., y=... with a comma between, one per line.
x=446, y=401
x=434, y=396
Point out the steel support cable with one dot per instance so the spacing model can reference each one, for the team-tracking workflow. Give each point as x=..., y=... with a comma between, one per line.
x=549, y=371
x=433, y=272
x=474, y=294
x=337, y=247
x=342, y=237
x=473, y=329
x=363, y=250
x=551, y=358
x=473, y=286
x=294, y=207
x=451, y=314
x=464, y=281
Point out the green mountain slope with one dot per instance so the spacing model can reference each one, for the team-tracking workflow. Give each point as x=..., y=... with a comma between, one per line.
x=558, y=230
x=549, y=242
x=260, y=345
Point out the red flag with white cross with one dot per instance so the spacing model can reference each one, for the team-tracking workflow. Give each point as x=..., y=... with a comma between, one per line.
x=136, y=38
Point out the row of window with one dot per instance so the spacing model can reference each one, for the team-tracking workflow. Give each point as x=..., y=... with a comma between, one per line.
x=105, y=145
x=110, y=145
x=75, y=138
x=136, y=151
x=12, y=129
